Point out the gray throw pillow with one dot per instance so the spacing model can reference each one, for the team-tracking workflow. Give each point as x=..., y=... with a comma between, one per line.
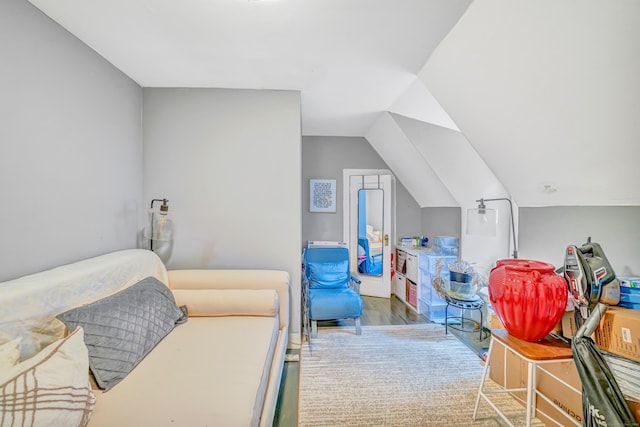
x=121, y=329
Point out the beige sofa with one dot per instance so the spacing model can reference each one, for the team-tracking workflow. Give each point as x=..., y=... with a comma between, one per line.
x=222, y=367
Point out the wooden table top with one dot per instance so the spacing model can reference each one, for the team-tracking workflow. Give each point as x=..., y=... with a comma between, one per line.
x=549, y=348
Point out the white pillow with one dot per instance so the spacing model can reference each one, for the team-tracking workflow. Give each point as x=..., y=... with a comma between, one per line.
x=9, y=354
x=51, y=388
x=374, y=236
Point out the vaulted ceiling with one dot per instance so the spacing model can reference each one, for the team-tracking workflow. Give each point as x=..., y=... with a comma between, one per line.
x=538, y=100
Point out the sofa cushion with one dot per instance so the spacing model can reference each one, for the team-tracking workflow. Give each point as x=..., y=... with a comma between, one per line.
x=49, y=389
x=122, y=328
x=228, y=302
x=210, y=371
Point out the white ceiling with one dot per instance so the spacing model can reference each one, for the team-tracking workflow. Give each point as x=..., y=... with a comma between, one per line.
x=351, y=59
x=545, y=92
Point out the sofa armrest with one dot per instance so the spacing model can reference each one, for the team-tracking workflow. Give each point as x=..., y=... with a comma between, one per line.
x=236, y=279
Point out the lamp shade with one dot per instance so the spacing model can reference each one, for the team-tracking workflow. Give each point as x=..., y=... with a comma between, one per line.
x=482, y=222
x=159, y=225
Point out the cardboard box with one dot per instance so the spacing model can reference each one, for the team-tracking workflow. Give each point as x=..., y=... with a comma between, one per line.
x=510, y=371
x=619, y=332
x=557, y=329
x=635, y=409
x=569, y=327
x=506, y=370
x=568, y=397
x=494, y=320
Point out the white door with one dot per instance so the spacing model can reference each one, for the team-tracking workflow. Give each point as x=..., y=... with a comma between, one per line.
x=380, y=227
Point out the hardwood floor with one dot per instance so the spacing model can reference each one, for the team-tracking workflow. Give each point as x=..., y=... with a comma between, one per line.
x=377, y=311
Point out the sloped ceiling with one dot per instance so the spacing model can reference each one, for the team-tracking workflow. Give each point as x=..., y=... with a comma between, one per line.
x=452, y=159
x=407, y=163
x=548, y=94
x=545, y=92
x=350, y=59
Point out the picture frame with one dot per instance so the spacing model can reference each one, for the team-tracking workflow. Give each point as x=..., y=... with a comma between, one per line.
x=322, y=195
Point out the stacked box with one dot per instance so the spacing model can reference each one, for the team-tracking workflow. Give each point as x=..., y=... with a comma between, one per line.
x=559, y=382
x=431, y=304
x=630, y=282
x=619, y=332
x=629, y=292
x=446, y=245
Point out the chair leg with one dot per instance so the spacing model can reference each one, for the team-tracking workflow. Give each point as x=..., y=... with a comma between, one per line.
x=446, y=319
x=314, y=329
x=358, y=328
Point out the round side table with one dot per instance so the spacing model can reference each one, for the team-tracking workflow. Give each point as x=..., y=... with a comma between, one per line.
x=472, y=303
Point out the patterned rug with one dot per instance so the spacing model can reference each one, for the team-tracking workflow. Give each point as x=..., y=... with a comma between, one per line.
x=409, y=375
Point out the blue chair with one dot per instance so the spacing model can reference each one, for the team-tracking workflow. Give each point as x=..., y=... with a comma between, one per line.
x=371, y=265
x=329, y=292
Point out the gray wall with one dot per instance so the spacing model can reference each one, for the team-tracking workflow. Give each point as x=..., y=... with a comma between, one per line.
x=70, y=147
x=325, y=157
x=544, y=234
x=229, y=162
x=441, y=222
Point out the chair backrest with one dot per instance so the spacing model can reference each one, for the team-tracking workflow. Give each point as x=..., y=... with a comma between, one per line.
x=327, y=267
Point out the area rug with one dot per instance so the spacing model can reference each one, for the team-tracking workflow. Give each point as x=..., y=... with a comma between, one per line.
x=409, y=375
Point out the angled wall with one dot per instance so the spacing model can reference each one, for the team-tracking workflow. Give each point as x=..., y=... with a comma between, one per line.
x=467, y=177
x=71, y=150
x=547, y=93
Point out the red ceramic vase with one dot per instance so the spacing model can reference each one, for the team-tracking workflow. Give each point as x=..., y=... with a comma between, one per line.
x=528, y=297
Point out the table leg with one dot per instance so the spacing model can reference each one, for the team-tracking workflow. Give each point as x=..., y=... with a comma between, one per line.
x=484, y=377
x=530, y=407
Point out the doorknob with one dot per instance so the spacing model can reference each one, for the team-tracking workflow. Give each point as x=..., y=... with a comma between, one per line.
x=386, y=240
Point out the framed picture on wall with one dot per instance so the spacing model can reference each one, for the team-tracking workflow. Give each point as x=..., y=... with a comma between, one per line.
x=322, y=195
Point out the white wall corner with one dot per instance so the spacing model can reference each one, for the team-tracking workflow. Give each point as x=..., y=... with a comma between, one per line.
x=468, y=178
x=418, y=103
x=407, y=164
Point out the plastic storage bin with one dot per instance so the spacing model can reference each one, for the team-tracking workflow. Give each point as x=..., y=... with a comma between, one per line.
x=428, y=263
x=436, y=312
x=446, y=245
